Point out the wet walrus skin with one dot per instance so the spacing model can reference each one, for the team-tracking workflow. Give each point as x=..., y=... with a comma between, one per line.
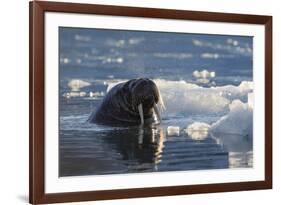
x=121, y=105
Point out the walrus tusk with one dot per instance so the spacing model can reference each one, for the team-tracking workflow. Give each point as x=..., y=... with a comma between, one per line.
x=160, y=102
x=157, y=112
x=141, y=113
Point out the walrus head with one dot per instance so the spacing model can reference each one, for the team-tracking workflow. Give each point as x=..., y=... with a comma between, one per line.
x=146, y=98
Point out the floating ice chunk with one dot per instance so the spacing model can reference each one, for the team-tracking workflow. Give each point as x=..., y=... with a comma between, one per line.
x=238, y=121
x=232, y=42
x=196, y=74
x=204, y=74
x=229, y=40
x=210, y=55
x=65, y=60
x=76, y=84
x=197, y=42
x=198, y=130
x=136, y=40
x=74, y=94
x=113, y=60
x=116, y=43
x=82, y=38
x=251, y=100
x=198, y=126
x=212, y=74
x=246, y=85
x=173, y=130
x=79, y=61
x=235, y=130
x=96, y=94
x=119, y=60
x=235, y=43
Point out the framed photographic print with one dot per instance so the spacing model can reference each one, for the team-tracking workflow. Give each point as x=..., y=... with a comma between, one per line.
x=138, y=102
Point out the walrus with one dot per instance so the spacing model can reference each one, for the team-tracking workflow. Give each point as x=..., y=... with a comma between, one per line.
x=130, y=103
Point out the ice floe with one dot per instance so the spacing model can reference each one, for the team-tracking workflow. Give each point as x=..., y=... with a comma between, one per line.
x=238, y=121
x=173, y=131
x=76, y=84
x=204, y=74
x=198, y=130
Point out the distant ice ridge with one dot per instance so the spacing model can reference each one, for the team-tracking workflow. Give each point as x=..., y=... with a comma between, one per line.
x=182, y=98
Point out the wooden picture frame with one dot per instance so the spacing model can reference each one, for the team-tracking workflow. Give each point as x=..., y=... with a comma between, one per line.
x=37, y=11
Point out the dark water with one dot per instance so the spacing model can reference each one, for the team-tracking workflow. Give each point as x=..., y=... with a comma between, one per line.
x=134, y=150
x=93, y=60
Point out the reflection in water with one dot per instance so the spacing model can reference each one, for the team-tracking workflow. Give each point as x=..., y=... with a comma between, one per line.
x=240, y=148
x=136, y=149
x=139, y=145
x=238, y=159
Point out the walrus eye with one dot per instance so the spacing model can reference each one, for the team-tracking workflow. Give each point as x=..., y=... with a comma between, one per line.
x=157, y=112
x=141, y=113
